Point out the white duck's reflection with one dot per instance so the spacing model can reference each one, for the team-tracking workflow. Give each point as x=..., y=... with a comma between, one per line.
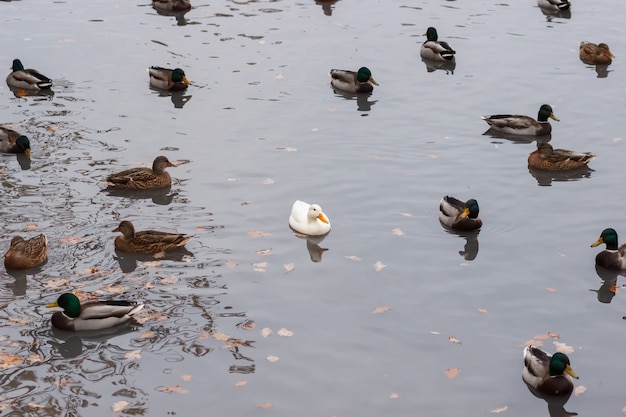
x=313, y=245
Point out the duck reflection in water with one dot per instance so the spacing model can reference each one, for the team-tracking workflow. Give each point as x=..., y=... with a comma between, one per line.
x=607, y=290
x=313, y=245
x=545, y=178
x=556, y=405
x=70, y=345
x=128, y=260
x=160, y=196
x=327, y=6
x=432, y=65
x=179, y=98
x=558, y=14
x=44, y=95
x=516, y=139
x=470, y=249
x=363, y=103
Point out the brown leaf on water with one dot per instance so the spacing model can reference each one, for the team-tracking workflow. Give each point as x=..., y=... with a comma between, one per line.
x=482, y=310
x=265, y=405
x=172, y=279
x=452, y=373
x=18, y=320
x=289, y=267
x=353, y=258
x=260, y=266
x=553, y=335
x=177, y=389
x=563, y=348
x=56, y=283
x=135, y=354
x=186, y=377
x=406, y=214
x=394, y=395
x=220, y=336
x=248, y=325
x=579, y=390
x=245, y=203
x=500, y=410
x=453, y=339
x=382, y=309
x=240, y=383
x=550, y=289
x=9, y=361
x=92, y=270
x=378, y=266
x=152, y=264
x=70, y=240
x=230, y=263
x=264, y=252
x=159, y=255
x=119, y=406
x=258, y=233
x=542, y=336
x=397, y=231
x=31, y=226
x=146, y=335
x=33, y=405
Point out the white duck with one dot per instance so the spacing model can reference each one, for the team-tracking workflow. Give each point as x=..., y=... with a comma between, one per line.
x=308, y=219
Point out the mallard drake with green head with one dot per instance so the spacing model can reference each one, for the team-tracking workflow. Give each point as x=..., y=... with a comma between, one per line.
x=547, y=374
x=592, y=54
x=549, y=159
x=554, y=4
x=168, y=79
x=172, y=5
x=27, y=79
x=143, y=178
x=26, y=254
x=435, y=49
x=147, y=241
x=360, y=81
x=92, y=315
x=459, y=215
x=614, y=256
x=13, y=142
x=523, y=125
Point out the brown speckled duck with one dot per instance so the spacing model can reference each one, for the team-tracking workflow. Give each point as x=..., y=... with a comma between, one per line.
x=143, y=178
x=614, y=256
x=92, y=315
x=25, y=254
x=147, y=241
x=549, y=159
x=592, y=54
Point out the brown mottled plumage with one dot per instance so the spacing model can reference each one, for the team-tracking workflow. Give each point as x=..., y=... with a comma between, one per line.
x=147, y=241
x=143, y=178
x=25, y=254
x=550, y=159
x=592, y=54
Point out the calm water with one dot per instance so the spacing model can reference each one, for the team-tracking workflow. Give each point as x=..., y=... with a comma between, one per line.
x=245, y=322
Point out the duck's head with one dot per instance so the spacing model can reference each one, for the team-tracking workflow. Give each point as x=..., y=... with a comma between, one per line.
x=178, y=75
x=471, y=209
x=431, y=34
x=559, y=364
x=608, y=236
x=23, y=144
x=69, y=303
x=603, y=49
x=316, y=213
x=545, y=111
x=126, y=228
x=160, y=163
x=364, y=75
x=17, y=65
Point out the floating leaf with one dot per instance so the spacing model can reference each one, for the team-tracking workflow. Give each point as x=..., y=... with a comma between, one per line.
x=553, y=335
x=579, y=390
x=406, y=214
x=542, y=336
x=174, y=389
x=185, y=377
x=394, y=395
x=146, y=335
x=135, y=354
x=220, y=336
x=257, y=233
x=452, y=373
x=264, y=252
x=273, y=358
x=397, y=231
x=284, y=332
x=268, y=181
x=245, y=203
x=266, y=331
x=231, y=264
x=18, y=320
x=550, y=289
x=482, y=310
x=31, y=226
x=454, y=340
x=169, y=280
x=563, y=348
x=378, y=266
x=70, y=240
x=56, y=283
x=382, y=309
x=119, y=406
x=240, y=383
x=353, y=258
x=33, y=405
x=260, y=266
x=248, y=325
x=265, y=405
x=9, y=361
x=289, y=267
x=499, y=410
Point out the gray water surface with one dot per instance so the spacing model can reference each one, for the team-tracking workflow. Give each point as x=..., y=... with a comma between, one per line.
x=245, y=323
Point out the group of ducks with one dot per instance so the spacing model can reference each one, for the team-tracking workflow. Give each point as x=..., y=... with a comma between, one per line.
x=544, y=373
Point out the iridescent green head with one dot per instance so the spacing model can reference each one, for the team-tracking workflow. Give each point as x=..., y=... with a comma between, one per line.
x=545, y=112
x=559, y=364
x=431, y=34
x=609, y=237
x=178, y=76
x=17, y=65
x=69, y=303
x=472, y=206
x=23, y=145
x=364, y=75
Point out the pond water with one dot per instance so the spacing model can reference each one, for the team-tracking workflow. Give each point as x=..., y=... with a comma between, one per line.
x=397, y=315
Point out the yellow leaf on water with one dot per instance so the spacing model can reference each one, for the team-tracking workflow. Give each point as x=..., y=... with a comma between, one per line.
x=452, y=373
x=378, y=266
x=146, y=335
x=33, y=405
x=71, y=240
x=240, y=383
x=9, y=361
x=394, y=395
x=563, y=348
x=265, y=405
x=220, y=336
x=454, y=340
x=353, y=258
x=185, y=377
x=397, y=231
x=289, y=267
x=579, y=390
x=500, y=410
x=174, y=389
x=381, y=309
x=257, y=233
x=273, y=358
x=119, y=406
x=284, y=332
x=135, y=354
x=266, y=331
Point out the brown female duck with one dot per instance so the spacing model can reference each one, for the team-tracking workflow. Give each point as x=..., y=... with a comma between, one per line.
x=25, y=254
x=143, y=178
x=147, y=241
x=592, y=54
x=549, y=159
